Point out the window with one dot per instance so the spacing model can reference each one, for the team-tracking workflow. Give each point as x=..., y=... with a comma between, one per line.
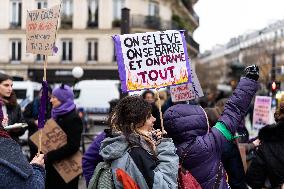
x=40, y=58
x=16, y=13
x=153, y=20
x=92, y=50
x=153, y=8
x=67, y=14
x=16, y=47
x=66, y=50
x=76, y=93
x=40, y=4
x=20, y=93
x=93, y=10
x=117, y=6
x=67, y=9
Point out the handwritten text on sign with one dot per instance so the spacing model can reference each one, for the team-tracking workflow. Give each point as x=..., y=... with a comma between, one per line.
x=152, y=59
x=53, y=138
x=182, y=92
x=41, y=30
x=261, y=112
x=187, y=91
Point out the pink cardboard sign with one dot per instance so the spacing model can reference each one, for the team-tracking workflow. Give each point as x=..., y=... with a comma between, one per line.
x=41, y=28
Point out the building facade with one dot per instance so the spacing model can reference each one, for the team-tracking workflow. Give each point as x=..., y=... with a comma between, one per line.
x=84, y=35
x=225, y=63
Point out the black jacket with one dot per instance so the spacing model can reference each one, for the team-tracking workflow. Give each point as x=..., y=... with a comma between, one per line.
x=269, y=160
x=72, y=125
x=15, y=116
x=15, y=170
x=232, y=161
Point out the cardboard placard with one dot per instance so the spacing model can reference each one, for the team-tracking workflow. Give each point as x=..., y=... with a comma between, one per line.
x=195, y=83
x=242, y=150
x=53, y=137
x=152, y=59
x=261, y=112
x=41, y=27
x=182, y=92
x=188, y=91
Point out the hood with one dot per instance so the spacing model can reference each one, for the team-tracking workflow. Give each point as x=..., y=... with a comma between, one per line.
x=12, y=157
x=272, y=133
x=113, y=148
x=184, y=122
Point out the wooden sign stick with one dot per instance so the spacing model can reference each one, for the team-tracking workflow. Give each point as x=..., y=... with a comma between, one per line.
x=44, y=79
x=160, y=110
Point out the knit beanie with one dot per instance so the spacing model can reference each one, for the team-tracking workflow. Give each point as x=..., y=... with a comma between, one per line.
x=63, y=93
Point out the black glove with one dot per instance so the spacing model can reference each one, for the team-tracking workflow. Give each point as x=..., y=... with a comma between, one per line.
x=252, y=72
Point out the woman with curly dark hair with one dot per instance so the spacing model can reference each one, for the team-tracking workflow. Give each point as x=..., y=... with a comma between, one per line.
x=139, y=157
x=11, y=110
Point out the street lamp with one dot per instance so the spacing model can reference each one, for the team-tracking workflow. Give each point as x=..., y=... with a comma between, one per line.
x=77, y=72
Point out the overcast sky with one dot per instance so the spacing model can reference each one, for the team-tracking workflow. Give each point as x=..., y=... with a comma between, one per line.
x=221, y=20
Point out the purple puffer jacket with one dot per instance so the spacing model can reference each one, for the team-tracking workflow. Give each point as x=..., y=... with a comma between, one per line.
x=187, y=125
x=92, y=157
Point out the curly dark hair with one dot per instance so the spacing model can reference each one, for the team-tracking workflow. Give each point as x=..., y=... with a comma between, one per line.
x=130, y=113
x=147, y=92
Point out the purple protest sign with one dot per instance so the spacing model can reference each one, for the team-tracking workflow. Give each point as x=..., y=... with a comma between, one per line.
x=43, y=102
x=152, y=59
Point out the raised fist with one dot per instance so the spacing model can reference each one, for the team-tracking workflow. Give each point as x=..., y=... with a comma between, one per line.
x=252, y=72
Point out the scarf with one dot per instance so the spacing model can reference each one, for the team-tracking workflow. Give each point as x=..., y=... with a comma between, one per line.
x=3, y=133
x=64, y=108
x=136, y=139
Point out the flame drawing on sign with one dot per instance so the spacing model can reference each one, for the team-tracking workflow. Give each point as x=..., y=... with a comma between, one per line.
x=133, y=83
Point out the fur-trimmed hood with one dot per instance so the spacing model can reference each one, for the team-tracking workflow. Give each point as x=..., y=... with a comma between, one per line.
x=272, y=133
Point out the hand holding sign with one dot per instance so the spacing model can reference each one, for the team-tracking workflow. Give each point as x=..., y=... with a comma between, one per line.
x=53, y=137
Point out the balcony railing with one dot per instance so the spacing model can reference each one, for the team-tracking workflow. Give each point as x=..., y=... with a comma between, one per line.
x=195, y=16
x=116, y=23
x=66, y=22
x=188, y=6
x=191, y=41
x=92, y=24
x=15, y=25
x=186, y=3
x=149, y=22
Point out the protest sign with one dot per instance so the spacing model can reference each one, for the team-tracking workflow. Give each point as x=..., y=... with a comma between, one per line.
x=152, y=59
x=261, y=112
x=242, y=149
x=182, y=92
x=195, y=84
x=187, y=91
x=41, y=27
x=53, y=137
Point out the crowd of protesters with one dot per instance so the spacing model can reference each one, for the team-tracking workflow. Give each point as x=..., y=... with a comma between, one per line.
x=200, y=136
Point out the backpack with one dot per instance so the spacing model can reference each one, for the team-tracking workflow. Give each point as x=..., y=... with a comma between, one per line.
x=102, y=177
x=186, y=180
